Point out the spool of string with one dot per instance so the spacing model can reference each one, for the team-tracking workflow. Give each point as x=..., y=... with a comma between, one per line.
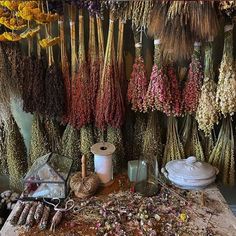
x=84, y=185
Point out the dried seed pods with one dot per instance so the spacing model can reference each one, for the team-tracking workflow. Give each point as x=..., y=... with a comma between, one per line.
x=56, y=220
x=30, y=218
x=39, y=212
x=44, y=220
x=14, y=219
x=24, y=214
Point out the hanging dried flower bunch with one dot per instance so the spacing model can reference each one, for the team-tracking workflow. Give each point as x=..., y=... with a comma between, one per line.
x=222, y=155
x=192, y=87
x=39, y=145
x=139, y=13
x=173, y=148
x=206, y=114
x=110, y=104
x=65, y=72
x=158, y=95
x=94, y=66
x=115, y=137
x=86, y=142
x=54, y=89
x=176, y=96
x=152, y=146
x=179, y=23
x=16, y=156
x=82, y=94
x=137, y=86
x=71, y=146
x=226, y=87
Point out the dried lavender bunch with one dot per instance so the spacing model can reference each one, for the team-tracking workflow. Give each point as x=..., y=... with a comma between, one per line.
x=86, y=142
x=16, y=156
x=206, y=114
x=226, y=87
x=115, y=137
x=71, y=146
x=39, y=145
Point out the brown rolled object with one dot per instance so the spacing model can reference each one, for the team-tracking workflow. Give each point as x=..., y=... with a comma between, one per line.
x=14, y=219
x=24, y=214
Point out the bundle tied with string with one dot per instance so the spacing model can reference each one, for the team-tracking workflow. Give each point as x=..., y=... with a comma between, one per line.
x=110, y=104
x=137, y=86
x=84, y=185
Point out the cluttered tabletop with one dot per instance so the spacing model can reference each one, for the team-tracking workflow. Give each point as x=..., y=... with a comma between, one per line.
x=117, y=210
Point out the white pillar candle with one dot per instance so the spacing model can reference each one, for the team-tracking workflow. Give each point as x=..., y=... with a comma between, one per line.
x=103, y=161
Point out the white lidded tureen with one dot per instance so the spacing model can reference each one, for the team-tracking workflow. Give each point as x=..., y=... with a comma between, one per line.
x=190, y=173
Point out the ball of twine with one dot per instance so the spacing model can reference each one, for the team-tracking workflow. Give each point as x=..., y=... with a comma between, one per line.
x=84, y=187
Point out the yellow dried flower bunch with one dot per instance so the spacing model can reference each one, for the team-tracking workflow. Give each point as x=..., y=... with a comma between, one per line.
x=11, y=5
x=206, y=114
x=226, y=87
x=48, y=42
x=29, y=33
x=10, y=36
x=13, y=23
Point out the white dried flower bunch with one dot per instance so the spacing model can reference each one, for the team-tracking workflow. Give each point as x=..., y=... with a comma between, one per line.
x=226, y=88
x=206, y=114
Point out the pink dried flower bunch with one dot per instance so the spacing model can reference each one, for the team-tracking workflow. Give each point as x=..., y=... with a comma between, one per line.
x=158, y=94
x=192, y=88
x=176, y=96
x=137, y=87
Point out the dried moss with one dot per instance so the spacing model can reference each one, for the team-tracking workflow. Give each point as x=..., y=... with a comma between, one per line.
x=16, y=156
x=39, y=145
x=115, y=137
x=86, y=142
x=71, y=146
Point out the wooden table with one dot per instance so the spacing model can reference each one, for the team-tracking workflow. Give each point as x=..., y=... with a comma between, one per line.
x=222, y=218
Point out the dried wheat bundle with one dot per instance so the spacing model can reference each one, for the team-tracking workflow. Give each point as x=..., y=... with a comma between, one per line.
x=206, y=114
x=139, y=13
x=226, y=87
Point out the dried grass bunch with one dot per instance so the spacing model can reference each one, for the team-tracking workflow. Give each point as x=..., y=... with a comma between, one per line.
x=180, y=23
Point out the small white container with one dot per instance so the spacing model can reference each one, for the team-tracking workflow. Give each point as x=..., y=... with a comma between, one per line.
x=103, y=161
x=190, y=173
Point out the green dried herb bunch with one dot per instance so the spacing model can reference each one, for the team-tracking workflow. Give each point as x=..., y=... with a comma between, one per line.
x=71, y=146
x=152, y=145
x=115, y=137
x=16, y=156
x=226, y=87
x=3, y=154
x=86, y=142
x=139, y=130
x=222, y=155
x=53, y=134
x=39, y=145
x=173, y=148
x=206, y=114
